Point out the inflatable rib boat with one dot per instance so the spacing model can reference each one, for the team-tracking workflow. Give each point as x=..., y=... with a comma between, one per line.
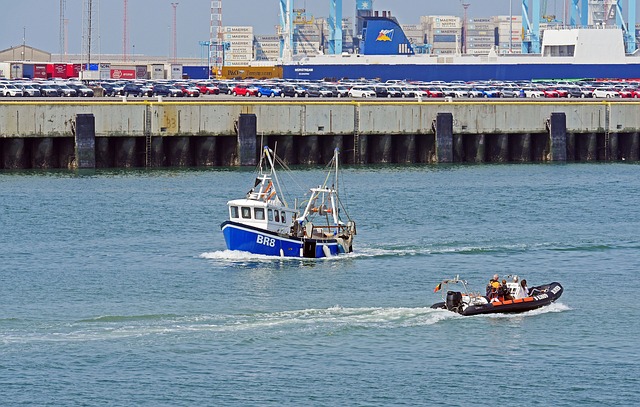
x=466, y=303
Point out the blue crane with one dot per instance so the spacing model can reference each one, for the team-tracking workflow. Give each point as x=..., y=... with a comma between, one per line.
x=286, y=22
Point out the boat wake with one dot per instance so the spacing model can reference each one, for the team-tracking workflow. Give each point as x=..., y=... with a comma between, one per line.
x=323, y=321
x=547, y=309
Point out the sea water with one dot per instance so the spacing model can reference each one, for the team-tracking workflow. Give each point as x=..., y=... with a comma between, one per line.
x=116, y=289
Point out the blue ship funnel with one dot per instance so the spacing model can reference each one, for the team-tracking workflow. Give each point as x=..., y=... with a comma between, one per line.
x=384, y=36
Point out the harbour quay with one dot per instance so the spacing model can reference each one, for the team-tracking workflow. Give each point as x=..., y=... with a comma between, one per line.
x=157, y=133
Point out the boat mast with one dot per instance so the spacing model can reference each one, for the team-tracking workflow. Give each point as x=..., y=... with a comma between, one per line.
x=274, y=174
x=336, y=153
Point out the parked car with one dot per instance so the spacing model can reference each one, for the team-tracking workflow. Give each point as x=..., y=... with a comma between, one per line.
x=244, y=90
x=531, y=92
x=47, y=90
x=64, y=90
x=82, y=90
x=339, y=91
x=434, y=92
x=188, y=90
x=313, y=92
x=29, y=90
x=294, y=91
x=268, y=91
x=382, y=91
x=161, y=89
x=9, y=90
x=605, y=93
x=360, y=91
x=207, y=88
x=132, y=89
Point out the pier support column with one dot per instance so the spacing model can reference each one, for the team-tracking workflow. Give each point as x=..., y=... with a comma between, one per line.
x=85, y=141
x=520, y=147
x=558, y=137
x=206, y=151
x=383, y=149
x=475, y=151
x=405, y=149
x=634, y=147
x=592, y=147
x=14, y=154
x=614, y=151
x=458, y=148
x=180, y=152
x=362, y=149
x=287, y=150
x=444, y=137
x=125, y=152
x=329, y=144
x=629, y=147
x=247, y=139
x=571, y=147
x=308, y=150
x=42, y=154
x=498, y=148
x=158, y=156
x=103, y=153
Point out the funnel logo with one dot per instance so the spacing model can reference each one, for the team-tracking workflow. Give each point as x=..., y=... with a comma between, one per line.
x=385, y=35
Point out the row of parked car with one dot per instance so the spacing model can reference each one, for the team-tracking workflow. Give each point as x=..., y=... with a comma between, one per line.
x=44, y=89
x=323, y=89
x=406, y=89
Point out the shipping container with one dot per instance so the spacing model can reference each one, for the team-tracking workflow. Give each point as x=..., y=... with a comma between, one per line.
x=230, y=37
x=104, y=71
x=157, y=71
x=195, y=72
x=27, y=71
x=5, y=69
x=142, y=72
x=176, y=71
x=123, y=74
x=39, y=71
x=238, y=29
x=58, y=71
x=73, y=70
x=244, y=72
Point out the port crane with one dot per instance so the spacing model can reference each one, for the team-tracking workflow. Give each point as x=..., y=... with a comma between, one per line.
x=583, y=13
x=287, y=27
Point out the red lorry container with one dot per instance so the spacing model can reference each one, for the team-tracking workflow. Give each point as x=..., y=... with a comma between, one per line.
x=57, y=71
x=73, y=70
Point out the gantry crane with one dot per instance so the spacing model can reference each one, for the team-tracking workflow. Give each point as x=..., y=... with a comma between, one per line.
x=287, y=28
x=579, y=16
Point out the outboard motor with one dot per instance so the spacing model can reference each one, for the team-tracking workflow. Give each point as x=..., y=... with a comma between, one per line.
x=454, y=300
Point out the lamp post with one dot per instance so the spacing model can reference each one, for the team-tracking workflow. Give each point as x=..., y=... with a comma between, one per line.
x=465, y=6
x=510, y=26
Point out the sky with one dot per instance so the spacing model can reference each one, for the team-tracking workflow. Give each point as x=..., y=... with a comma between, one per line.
x=151, y=21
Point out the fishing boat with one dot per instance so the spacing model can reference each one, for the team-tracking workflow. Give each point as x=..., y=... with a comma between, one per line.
x=264, y=223
x=515, y=300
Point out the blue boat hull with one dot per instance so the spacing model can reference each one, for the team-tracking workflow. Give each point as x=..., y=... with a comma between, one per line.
x=257, y=241
x=463, y=72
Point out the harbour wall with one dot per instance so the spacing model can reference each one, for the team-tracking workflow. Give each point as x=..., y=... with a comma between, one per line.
x=179, y=134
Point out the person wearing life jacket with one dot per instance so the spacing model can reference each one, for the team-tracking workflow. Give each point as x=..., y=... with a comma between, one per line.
x=492, y=288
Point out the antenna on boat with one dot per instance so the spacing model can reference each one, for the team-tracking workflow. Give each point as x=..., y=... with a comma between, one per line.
x=336, y=153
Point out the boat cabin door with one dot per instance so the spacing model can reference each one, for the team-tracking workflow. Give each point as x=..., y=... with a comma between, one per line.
x=309, y=249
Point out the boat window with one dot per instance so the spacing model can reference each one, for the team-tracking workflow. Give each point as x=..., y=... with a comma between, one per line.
x=270, y=215
x=246, y=212
x=277, y=216
x=284, y=217
x=259, y=213
x=234, y=212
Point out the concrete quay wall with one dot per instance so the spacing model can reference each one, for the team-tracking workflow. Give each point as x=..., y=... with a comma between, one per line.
x=150, y=133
